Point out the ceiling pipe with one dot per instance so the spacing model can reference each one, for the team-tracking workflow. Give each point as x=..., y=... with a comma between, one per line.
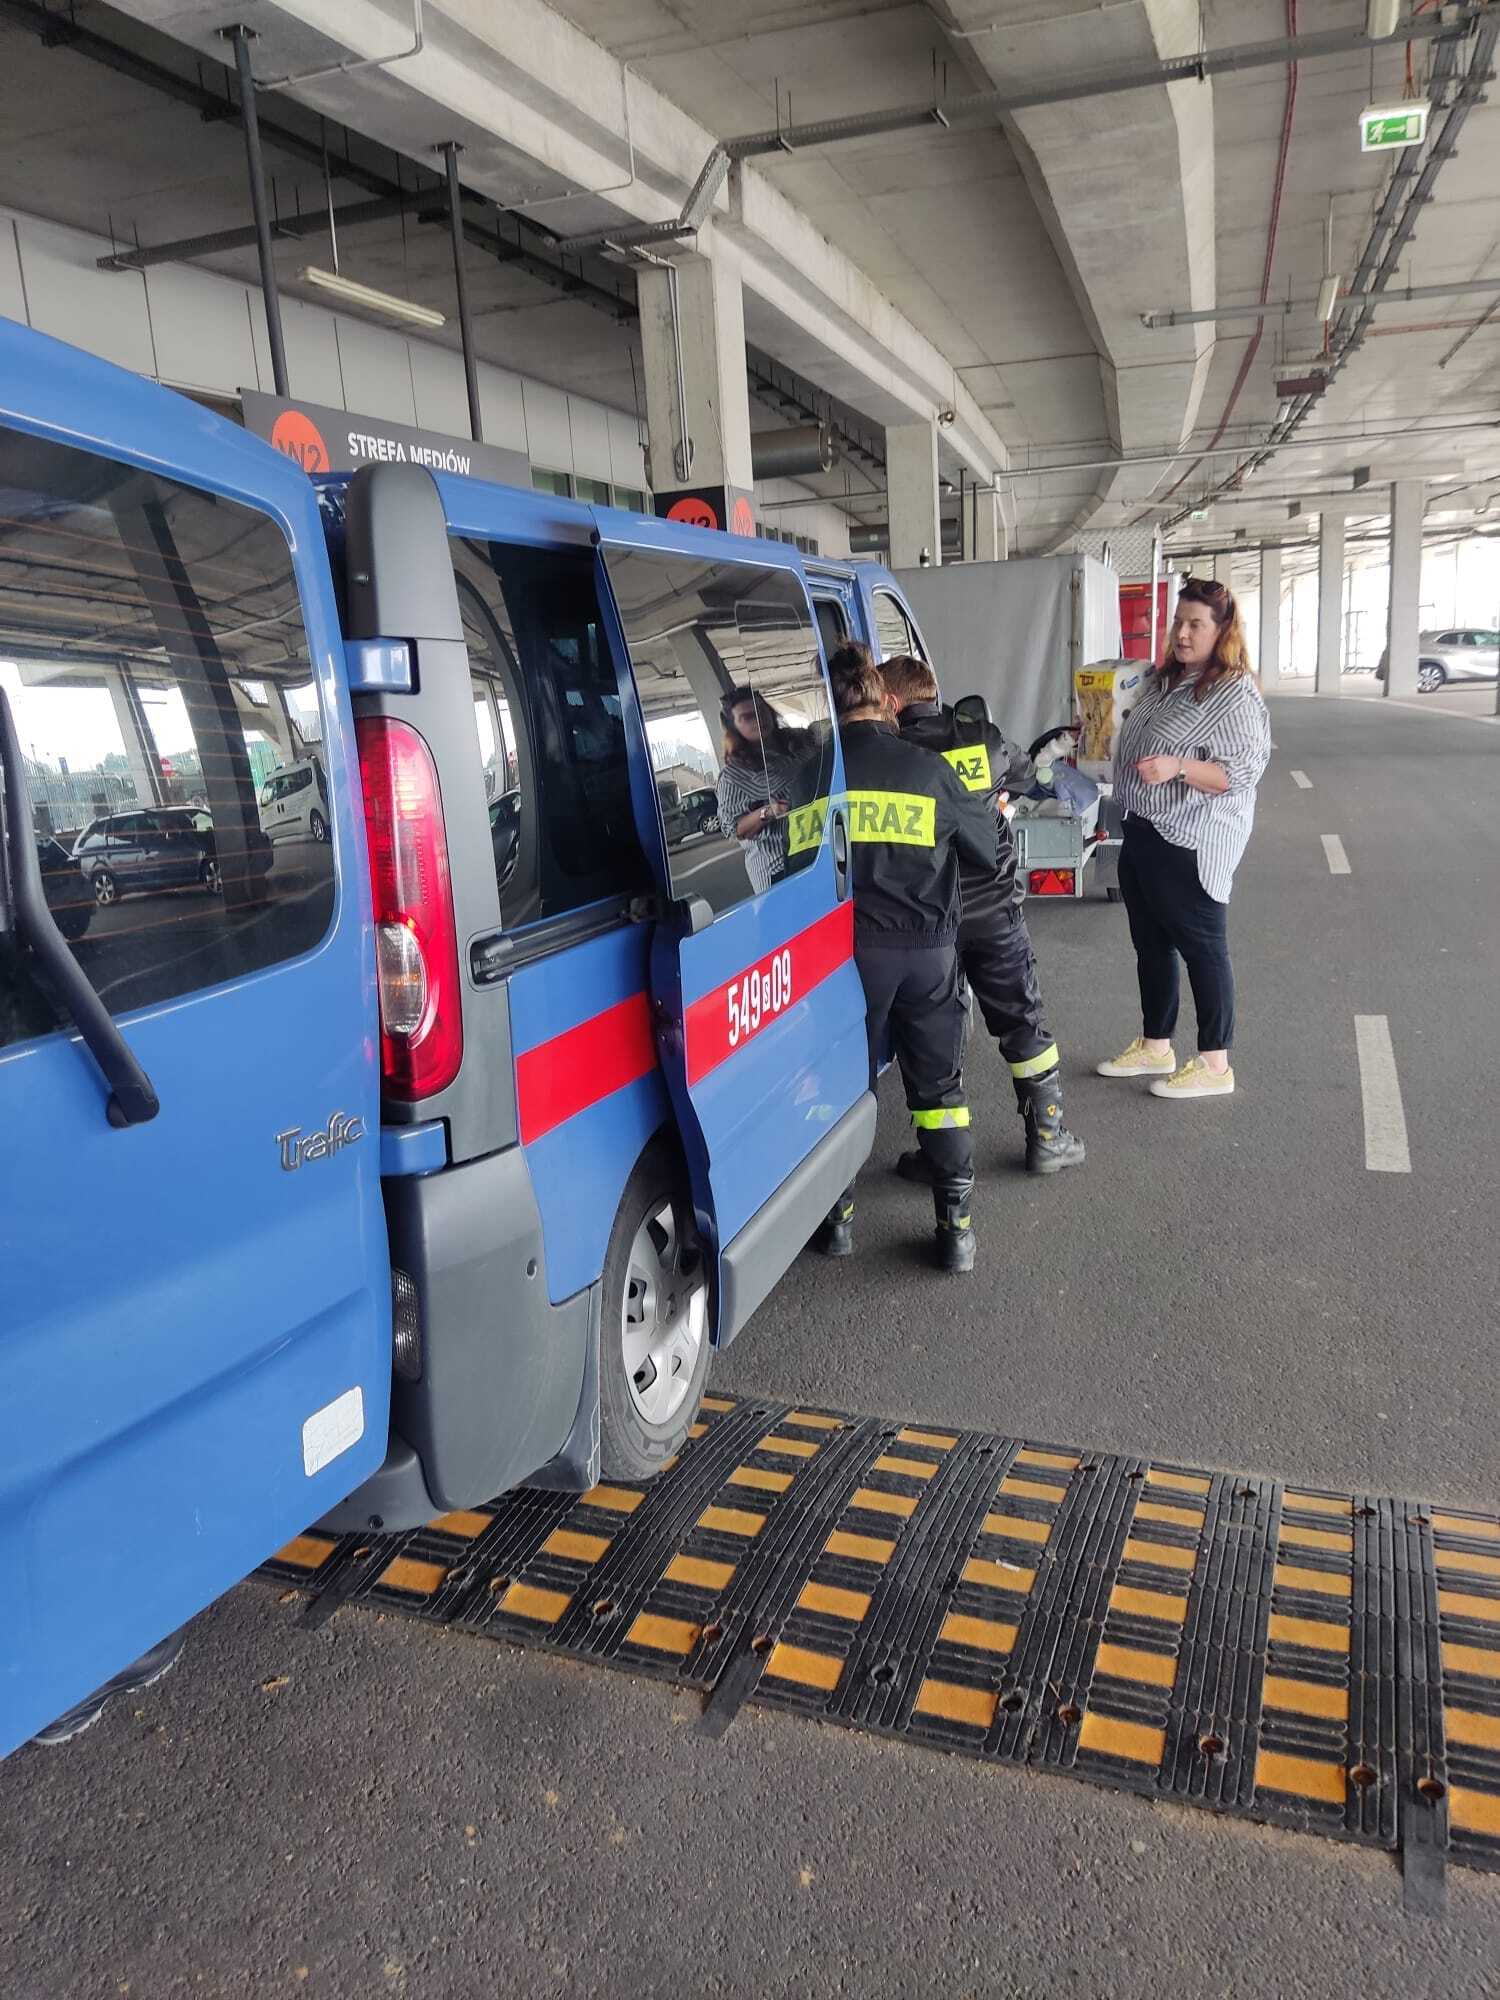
x=354, y=63
x=317, y=222
x=1321, y=442
x=1273, y=221
x=791, y=453
x=1271, y=309
x=1347, y=340
x=985, y=107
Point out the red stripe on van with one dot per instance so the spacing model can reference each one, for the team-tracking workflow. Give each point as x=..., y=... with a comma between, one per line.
x=561, y=1077
x=722, y=1022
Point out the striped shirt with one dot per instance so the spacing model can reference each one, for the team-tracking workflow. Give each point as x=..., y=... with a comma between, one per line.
x=1229, y=727
x=743, y=787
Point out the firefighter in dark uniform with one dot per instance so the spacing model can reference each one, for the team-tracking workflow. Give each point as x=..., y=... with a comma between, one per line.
x=910, y=824
x=994, y=946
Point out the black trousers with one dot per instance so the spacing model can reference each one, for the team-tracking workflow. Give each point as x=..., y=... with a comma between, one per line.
x=912, y=991
x=1173, y=916
x=1000, y=965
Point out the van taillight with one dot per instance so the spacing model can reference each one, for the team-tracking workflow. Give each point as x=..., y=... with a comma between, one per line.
x=416, y=940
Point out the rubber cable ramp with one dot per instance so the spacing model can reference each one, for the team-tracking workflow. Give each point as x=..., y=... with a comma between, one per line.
x=1323, y=1661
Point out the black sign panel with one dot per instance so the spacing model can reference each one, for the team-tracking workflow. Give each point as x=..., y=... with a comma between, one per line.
x=324, y=440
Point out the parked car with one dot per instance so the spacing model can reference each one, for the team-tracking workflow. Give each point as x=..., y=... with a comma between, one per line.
x=1454, y=653
x=701, y=810
x=294, y=800
x=169, y=847
x=62, y=882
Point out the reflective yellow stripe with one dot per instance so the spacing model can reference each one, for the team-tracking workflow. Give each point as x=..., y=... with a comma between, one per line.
x=899, y=819
x=941, y=1121
x=804, y=826
x=972, y=763
x=1037, y=1065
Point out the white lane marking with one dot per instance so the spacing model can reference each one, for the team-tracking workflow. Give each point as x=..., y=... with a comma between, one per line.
x=1386, y=1150
x=1338, y=860
x=1301, y=780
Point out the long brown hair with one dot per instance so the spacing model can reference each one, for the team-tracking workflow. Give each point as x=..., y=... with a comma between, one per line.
x=1230, y=657
x=774, y=734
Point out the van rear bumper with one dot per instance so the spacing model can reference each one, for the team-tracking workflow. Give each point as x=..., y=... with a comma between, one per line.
x=753, y=1264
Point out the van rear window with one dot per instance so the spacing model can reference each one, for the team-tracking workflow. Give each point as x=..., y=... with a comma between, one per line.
x=153, y=654
x=549, y=729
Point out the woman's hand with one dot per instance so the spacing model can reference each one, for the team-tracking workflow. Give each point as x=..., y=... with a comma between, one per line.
x=779, y=807
x=1160, y=770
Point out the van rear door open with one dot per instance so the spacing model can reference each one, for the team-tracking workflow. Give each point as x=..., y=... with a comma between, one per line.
x=195, y=1340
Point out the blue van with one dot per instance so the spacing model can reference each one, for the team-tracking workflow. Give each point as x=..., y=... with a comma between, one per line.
x=424, y=1149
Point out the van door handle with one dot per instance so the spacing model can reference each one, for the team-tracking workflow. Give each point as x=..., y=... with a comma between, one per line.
x=840, y=854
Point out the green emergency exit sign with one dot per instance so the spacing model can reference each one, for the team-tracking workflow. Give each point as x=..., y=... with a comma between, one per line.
x=1384, y=126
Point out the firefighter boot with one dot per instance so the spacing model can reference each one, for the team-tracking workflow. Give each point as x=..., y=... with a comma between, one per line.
x=1050, y=1146
x=834, y=1236
x=953, y=1247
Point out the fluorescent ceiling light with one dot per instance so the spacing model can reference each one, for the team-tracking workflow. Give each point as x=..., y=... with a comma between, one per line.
x=1328, y=296
x=366, y=295
x=1381, y=17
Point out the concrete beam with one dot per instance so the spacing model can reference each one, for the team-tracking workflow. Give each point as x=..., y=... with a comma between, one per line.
x=1269, y=658
x=1330, y=669
x=706, y=333
x=1114, y=249
x=911, y=470
x=1408, y=501
x=991, y=539
x=542, y=111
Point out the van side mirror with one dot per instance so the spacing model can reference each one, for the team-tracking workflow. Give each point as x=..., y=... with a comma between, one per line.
x=972, y=708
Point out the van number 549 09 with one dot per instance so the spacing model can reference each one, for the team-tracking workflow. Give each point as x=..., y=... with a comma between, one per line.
x=759, y=997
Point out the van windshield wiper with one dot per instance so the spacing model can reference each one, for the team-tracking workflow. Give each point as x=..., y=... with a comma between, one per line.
x=132, y=1101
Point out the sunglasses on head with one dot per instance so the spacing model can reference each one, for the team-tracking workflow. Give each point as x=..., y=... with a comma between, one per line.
x=1203, y=586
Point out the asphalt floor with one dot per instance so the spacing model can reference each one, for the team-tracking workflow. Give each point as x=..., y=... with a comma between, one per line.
x=381, y=1807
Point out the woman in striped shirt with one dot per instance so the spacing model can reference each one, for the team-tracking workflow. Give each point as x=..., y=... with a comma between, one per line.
x=1189, y=757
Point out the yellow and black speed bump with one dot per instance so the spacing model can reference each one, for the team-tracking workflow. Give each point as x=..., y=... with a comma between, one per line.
x=1325, y=1661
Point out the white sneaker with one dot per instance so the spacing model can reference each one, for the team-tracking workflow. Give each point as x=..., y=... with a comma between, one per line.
x=1138, y=1060
x=1195, y=1079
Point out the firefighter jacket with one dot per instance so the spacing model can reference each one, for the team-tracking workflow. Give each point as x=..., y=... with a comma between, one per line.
x=911, y=824
x=987, y=765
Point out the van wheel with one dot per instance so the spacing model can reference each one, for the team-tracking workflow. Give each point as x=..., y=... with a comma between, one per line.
x=210, y=877
x=317, y=826
x=653, y=1340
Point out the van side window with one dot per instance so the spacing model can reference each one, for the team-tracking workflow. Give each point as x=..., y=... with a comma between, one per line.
x=831, y=623
x=894, y=629
x=550, y=737
x=710, y=641
x=136, y=614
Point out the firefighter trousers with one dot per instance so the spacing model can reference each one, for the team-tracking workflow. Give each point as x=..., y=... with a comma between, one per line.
x=912, y=994
x=1000, y=966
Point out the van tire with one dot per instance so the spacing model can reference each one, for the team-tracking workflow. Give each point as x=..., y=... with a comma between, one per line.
x=654, y=1345
x=317, y=826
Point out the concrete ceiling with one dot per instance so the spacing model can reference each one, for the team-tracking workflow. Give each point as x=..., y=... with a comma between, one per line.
x=1011, y=263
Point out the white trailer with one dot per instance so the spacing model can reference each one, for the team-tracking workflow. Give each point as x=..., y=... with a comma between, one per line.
x=1016, y=632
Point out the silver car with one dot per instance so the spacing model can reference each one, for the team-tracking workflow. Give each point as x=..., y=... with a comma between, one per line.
x=1456, y=653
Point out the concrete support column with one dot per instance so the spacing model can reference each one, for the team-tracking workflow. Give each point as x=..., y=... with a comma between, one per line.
x=1329, y=678
x=140, y=751
x=697, y=394
x=991, y=542
x=1408, y=503
x=1269, y=653
x=1223, y=569
x=911, y=477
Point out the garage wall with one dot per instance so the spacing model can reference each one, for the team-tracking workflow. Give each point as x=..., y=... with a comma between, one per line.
x=196, y=330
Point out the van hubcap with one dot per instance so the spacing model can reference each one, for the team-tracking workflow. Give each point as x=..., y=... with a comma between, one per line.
x=664, y=1318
